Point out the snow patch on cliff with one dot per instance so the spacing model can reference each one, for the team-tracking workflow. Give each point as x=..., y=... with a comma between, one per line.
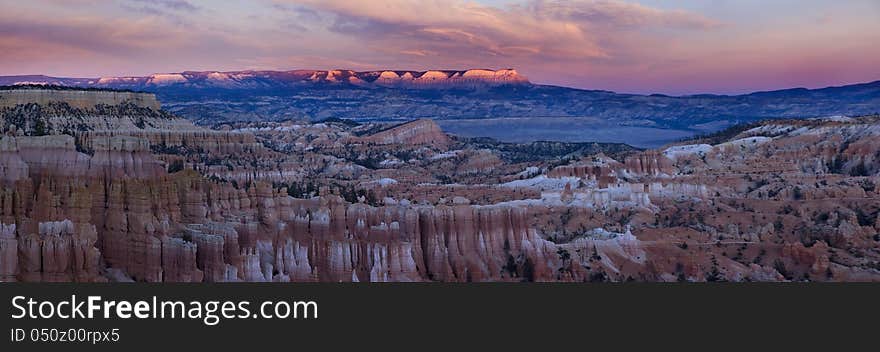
x=746, y=142
x=543, y=182
x=166, y=78
x=685, y=150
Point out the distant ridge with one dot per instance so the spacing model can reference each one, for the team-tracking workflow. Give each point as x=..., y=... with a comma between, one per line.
x=45, y=80
x=210, y=97
x=431, y=79
x=428, y=79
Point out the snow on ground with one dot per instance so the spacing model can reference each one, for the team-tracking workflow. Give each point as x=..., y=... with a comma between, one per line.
x=19, y=83
x=218, y=76
x=772, y=130
x=597, y=198
x=685, y=150
x=603, y=234
x=530, y=171
x=849, y=130
x=386, y=181
x=445, y=155
x=800, y=131
x=166, y=78
x=544, y=182
x=621, y=245
x=272, y=128
x=390, y=162
x=835, y=118
x=107, y=80
x=746, y=142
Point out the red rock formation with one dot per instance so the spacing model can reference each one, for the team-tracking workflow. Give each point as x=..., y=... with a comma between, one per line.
x=103, y=205
x=59, y=251
x=179, y=261
x=423, y=131
x=8, y=253
x=649, y=163
x=601, y=169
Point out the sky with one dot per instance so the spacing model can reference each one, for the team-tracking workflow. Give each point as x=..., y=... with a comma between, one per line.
x=644, y=46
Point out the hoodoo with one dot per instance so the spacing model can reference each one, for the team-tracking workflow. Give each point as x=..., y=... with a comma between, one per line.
x=98, y=185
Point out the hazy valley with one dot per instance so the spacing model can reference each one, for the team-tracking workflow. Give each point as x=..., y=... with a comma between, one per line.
x=472, y=100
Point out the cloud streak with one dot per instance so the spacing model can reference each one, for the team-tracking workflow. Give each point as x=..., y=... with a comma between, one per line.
x=545, y=29
x=177, y=5
x=602, y=44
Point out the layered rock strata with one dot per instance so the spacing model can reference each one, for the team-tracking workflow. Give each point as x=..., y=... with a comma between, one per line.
x=83, y=99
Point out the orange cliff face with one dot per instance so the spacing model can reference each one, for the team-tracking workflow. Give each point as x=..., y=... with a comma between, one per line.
x=439, y=79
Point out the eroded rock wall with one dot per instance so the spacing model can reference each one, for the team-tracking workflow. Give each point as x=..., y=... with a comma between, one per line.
x=85, y=99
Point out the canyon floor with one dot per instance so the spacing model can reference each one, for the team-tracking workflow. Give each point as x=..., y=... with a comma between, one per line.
x=99, y=186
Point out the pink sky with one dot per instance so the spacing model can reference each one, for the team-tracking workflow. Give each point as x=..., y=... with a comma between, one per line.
x=649, y=46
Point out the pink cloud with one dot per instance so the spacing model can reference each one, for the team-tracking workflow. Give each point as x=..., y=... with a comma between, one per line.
x=524, y=35
x=601, y=44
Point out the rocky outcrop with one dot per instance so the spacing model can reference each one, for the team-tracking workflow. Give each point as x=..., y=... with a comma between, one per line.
x=83, y=99
x=602, y=170
x=474, y=78
x=291, y=239
x=650, y=163
x=8, y=253
x=56, y=156
x=34, y=157
x=154, y=204
x=418, y=132
x=433, y=79
x=57, y=251
x=94, y=126
x=136, y=216
x=124, y=157
x=471, y=93
x=12, y=167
